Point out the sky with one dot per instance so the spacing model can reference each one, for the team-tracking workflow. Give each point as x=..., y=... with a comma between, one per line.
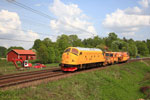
x=85, y=18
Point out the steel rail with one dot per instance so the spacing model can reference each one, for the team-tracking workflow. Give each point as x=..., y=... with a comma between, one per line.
x=26, y=73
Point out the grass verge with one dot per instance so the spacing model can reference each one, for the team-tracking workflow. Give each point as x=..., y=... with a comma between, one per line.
x=9, y=67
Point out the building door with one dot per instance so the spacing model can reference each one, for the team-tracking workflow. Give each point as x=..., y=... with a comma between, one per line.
x=26, y=57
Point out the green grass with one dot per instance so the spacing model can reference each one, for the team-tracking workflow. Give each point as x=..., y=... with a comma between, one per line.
x=114, y=83
x=53, y=65
x=9, y=67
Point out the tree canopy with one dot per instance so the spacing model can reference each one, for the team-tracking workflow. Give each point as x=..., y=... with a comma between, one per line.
x=3, y=52
x=14, y=47
x=50, y=52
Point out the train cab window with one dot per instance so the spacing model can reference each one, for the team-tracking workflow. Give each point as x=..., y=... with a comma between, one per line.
x=107, y=54
x=111, y=55
x=74, y=51
x=80, y=53
x=67, y=50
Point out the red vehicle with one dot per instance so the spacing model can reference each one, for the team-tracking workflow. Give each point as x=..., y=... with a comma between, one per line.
x=24, y=64
x=38, y=65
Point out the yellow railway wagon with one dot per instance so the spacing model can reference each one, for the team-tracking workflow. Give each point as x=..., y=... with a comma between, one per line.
x=75, y=58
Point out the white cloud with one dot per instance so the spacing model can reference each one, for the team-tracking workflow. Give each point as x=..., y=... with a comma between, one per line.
x=10, y=27
x=144, y=3
x=70, y=20
x=121, y=19
x=134, y=10
x=128, y=21
x=128, y=34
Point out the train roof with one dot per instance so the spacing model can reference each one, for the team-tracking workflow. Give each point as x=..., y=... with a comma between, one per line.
x=88, y=49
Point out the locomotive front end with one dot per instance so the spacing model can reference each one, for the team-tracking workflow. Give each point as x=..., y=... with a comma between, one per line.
x=70, y=59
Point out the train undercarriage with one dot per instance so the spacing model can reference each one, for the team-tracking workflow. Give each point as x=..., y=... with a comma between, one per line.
x=66, y=67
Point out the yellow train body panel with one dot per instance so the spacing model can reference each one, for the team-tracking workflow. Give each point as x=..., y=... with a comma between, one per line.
x=79, y=56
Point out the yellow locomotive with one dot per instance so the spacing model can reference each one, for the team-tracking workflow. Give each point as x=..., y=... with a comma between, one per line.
x=75, y=58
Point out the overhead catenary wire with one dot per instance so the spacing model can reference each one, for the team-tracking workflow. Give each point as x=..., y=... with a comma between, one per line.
x=39, y=33
x=2, y=38
x=29, y=9
x=29, y=19
x=44, y=15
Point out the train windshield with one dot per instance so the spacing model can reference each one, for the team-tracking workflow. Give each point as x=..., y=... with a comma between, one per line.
x=67, y=50
x=107, y=54
x=74, y=51
x=111, y=55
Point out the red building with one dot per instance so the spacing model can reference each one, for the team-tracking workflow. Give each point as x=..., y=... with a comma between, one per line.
x=21, y=54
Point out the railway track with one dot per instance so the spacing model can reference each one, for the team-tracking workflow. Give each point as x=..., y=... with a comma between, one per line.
x=26, y=73
x=20, y=78
x=139, y=59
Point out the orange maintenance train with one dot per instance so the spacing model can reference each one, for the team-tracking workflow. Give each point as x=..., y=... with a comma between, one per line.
x=75, y=58
x=115, y=57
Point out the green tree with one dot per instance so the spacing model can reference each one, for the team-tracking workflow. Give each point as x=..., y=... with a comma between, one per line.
x=36, y=44
x=111, y=37
x=115, y=45
x=63, y=42
x=131, y=41
x=57, y=55
x=132, y=50
x=93, y=42
x=3, y=51
x=97, y=41
x=14, y=47
x=51, y=54
x=42, y=53
x=101, y=46
x=148, y=44
x=75, y=41
x=88, y=43
x=119, y=45
x=47, y=42
x=124, y=46
x=142, y=48
x=124, y=39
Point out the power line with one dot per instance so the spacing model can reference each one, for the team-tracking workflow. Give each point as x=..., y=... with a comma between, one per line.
x=30, y=20
x=29, y=31
x=36, y=23
x=15, y=40
x=43, y=14
x=29, y=9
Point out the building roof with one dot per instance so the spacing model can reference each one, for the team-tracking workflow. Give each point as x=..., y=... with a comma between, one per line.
x=24, y=51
